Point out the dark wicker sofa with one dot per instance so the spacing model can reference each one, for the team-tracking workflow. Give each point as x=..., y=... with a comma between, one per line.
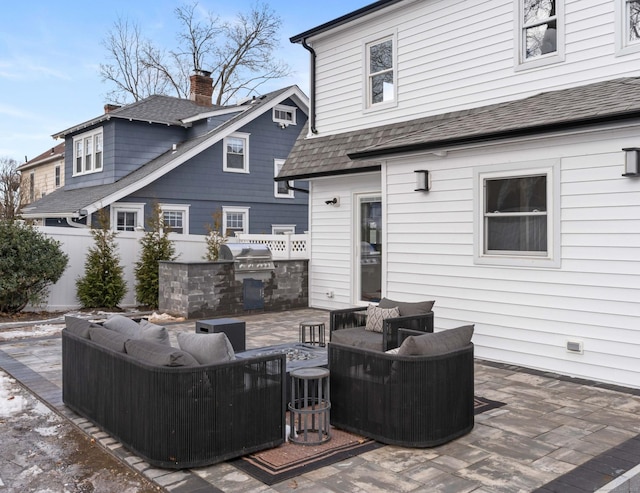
x=176, y=416
x=411, y=401
x=349, y=326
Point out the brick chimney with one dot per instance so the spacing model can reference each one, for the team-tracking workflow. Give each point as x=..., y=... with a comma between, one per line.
x=201, y=88
x=108, y=108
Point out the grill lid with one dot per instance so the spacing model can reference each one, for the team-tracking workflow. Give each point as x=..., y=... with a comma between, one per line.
x=248, y=256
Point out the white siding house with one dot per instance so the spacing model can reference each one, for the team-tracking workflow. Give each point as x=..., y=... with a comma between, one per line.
x=529, y=229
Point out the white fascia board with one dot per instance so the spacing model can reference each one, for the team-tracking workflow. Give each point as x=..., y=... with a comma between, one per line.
x=208, y=114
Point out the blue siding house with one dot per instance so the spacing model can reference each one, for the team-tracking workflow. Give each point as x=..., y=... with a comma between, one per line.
x=193, y=159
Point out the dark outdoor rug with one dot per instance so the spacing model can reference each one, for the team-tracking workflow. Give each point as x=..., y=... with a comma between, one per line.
x=290, y=460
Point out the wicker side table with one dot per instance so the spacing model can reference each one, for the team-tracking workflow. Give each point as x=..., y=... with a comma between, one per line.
x=316, y=333
x=309, y=407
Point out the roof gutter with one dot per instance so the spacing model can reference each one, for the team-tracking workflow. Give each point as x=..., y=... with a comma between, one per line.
x=322, y=174
x=312, y=88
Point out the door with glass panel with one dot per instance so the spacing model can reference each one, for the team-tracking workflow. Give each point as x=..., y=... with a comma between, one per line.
x=369, y=248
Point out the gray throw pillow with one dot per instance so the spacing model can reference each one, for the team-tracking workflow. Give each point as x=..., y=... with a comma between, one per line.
x=207, y=349
x=78, y=326
x=408, y=308
x=154, y=333
x=108, y=338
x=437, y=343
x=158, y=354
x=124, y=325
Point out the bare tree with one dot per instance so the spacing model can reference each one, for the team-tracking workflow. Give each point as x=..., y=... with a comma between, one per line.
x=9, y=188
x=238, y=54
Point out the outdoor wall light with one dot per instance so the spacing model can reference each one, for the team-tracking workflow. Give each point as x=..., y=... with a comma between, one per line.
x=631, y=161
x=334, y=201
x=423, y=180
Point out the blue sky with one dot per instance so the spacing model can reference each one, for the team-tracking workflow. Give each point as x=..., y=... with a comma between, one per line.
x=50, y=54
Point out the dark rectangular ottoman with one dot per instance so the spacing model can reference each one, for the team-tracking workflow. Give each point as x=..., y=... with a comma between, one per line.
x=234, y=329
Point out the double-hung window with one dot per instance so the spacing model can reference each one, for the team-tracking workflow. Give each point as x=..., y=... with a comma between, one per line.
x=235, y=220
x=381, y=73
x=540, y=32
x=126, y=216
x=627, y=26
x=517, y=220
x=87, y=153
x=236, y=153
x=175, y=217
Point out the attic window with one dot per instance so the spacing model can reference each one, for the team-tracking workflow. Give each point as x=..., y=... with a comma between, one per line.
x=87, y=153
x=284, y=114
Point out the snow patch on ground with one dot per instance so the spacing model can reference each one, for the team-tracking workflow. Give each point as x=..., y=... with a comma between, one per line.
x=48, y=431
x=10, y=402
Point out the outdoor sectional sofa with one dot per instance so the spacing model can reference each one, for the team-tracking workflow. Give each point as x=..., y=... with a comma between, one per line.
x=179, y=414
x=376, y=327
x=419, y=395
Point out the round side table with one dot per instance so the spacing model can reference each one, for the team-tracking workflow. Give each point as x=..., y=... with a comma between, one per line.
x=316, y=333
x=309, y=407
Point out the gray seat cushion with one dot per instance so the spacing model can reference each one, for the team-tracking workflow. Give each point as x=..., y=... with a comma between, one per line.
x=207, y=349
x=108, y=338
x=78, y=326
x=154, y=333
x=437, y=343
x=408, y=308
x=358, y=337
x=124, y=325
x=158, y=354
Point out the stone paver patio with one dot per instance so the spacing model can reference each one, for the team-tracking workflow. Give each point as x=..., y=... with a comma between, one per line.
x=553, y=434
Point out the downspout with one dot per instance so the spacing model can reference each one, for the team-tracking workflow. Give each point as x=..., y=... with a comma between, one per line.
x=312, y=90
x=296, y=189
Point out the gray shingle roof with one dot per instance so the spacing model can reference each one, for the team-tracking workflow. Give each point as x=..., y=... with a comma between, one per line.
x=545, y=112
x=65, y=202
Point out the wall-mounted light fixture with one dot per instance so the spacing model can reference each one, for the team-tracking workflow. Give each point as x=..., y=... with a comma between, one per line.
x=631, y=161
x=423, y=180
x=334, y=201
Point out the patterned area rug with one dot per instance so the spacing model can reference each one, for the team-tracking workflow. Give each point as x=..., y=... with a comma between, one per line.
x=290, y=460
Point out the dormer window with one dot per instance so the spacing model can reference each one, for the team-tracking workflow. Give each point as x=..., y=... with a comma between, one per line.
x=284, y=115
x=87, y=153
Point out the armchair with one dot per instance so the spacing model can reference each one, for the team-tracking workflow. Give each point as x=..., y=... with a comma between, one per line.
x=348, y=326
x=407, y=400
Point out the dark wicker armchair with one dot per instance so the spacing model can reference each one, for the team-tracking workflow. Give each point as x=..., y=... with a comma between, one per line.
x=177, y=417
x=411, y=401
x=355, y=319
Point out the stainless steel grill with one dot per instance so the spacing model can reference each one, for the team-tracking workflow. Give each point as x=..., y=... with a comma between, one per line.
x=252, y=260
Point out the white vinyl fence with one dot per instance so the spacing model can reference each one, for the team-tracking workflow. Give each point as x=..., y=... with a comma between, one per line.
x=190, y=248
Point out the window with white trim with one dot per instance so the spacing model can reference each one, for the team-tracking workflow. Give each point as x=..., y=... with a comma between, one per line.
x=285, y=115
x=58, y=176
x=236, y=153
x=380, y=72
x=127, y=216
x=280, y=189
x=176, y=218
x=235, y=220
x=540, y=32
x=87, y=153
x=518, y=215
x=627, y=26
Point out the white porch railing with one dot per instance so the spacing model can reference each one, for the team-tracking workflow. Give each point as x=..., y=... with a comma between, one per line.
x=283, y=247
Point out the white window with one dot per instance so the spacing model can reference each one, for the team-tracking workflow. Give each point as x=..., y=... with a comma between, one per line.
x=540, y=32
x=284, y=115
x=235, y=220
x=280, y=187
x=127, y=216
x=176, y=218
x=281, y=229
x=518, y=215
x=627, y=26
x=236, y=153
x=380, y=84
x=87, y=153
x=58, y=179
